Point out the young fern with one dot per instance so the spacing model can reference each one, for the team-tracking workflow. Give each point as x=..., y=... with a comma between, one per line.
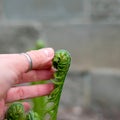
x=61, y=63
x=16, y=112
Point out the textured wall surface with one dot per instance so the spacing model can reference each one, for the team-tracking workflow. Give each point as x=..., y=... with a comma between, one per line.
x=105, y=11
x=43, y=10
x=16, y=37
x=100, y=11
x=90, y=45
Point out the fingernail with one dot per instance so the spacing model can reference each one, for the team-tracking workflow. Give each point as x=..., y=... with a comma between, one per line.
x=49, y=52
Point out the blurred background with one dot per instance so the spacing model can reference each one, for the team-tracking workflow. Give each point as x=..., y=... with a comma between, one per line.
x=90, y=31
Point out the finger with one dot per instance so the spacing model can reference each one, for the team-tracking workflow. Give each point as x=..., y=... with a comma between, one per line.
x=27, y=106
x=41, y=59
x=25, y=92
x=36, y=75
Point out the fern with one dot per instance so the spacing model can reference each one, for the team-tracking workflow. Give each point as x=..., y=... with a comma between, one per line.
x=61, y=63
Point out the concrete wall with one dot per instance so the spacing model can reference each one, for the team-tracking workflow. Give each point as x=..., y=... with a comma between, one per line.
x=90, y=45
x=96, y=88
x=43, y=10
x=85, y=11
x=18, y=37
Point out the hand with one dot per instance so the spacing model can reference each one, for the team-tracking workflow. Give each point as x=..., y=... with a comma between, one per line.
x=14, y=70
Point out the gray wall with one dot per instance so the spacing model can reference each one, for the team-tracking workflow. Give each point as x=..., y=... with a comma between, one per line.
x=43, y=10
x=85, y=11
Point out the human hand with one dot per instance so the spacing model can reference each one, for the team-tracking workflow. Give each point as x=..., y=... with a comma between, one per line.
x=14, y=70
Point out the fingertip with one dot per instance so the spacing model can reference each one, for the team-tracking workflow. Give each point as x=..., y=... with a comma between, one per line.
x=49, y=52
x=27, y=106
x=51, y=86
x=42, y=58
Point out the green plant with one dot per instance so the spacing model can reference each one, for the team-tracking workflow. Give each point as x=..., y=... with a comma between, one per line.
x=61, y=63
x=50, y=104
x=16, y=112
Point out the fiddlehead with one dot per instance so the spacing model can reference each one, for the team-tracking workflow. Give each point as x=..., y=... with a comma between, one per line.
x=32, y=116
x=15, y=112
x=61, y=63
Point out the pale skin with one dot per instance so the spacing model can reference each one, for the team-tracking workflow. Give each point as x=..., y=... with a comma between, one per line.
x=14, y=70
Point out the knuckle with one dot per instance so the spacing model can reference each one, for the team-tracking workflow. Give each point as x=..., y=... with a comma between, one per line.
x=20, y=93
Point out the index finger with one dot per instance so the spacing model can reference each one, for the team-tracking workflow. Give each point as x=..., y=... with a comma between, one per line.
x=41, y=59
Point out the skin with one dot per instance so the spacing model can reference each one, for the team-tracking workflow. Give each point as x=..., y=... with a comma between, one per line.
x=14, y=71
